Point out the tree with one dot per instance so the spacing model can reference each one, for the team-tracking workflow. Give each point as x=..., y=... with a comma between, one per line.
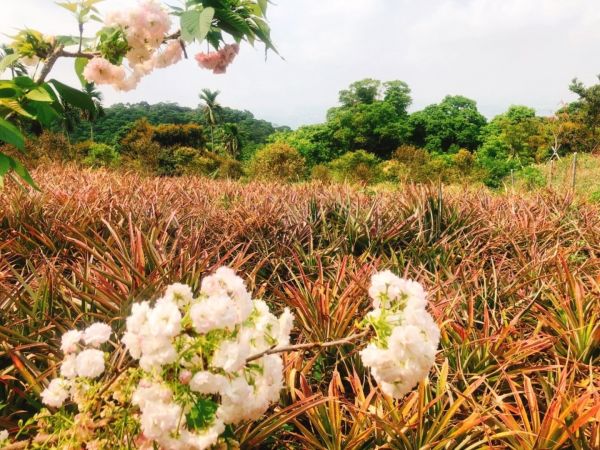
x=372, y=117
x=587, y=108
x=212, y=108
x=448, y=126
x=521, y=133
x=232, y=139
x=364, y=91
x=96, y=96
x=397, y=93
x=314, y=142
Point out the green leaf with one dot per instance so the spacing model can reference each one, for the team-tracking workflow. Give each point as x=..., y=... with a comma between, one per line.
x=202, y=414
x=14, y=105
x=24, y=82
x=68, y=5
x=8, y=89
x=73, y=96
x=45, y=113
x=80, y=64
x=190, y=22
x=233, y=23
x=8, y=61
x=39, y=94
x=11, y=134
x=204, y=23
x=23, y=173
x=4, y=164
x=263, y=6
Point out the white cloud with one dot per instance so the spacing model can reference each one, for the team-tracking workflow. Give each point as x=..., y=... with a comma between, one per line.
x=499, y=52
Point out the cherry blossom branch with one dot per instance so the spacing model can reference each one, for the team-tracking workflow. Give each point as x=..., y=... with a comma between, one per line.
x=309, y=345
x=60, y=52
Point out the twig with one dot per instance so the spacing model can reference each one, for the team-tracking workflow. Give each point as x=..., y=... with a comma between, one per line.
x=308, y=346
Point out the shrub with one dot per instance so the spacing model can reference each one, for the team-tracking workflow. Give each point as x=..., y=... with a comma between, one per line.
x=173, y=135
x=189, y=161
x=230, y=168
x=464, y=160
x=357, y=167
x=532, y=178
x=411, y=155
x=174, y=161
x=101, y=155
x=321, y=173
x=277, y=161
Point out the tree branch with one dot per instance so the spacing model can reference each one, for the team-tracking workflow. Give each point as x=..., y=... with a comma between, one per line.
x=308, y=346
x=60, y=52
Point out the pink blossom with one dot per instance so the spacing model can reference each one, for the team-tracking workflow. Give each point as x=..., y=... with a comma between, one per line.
x=218, y=61
x=101, y=71
x=170, y=55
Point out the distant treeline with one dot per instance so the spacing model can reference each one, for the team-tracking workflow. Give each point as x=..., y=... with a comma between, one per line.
x=369, y=137
x=116, y=121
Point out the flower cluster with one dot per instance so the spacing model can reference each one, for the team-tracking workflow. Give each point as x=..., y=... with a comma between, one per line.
x=194, y=353
x=218, y=61
x=82, y=360
x=145, y=28
x=403, y=351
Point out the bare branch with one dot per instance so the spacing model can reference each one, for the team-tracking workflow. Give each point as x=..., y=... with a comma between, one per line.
x=309, y=346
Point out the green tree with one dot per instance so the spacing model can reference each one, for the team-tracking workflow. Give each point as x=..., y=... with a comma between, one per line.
x=397, y=94
x=372, y=117
x=448, y=126
x=364, y=91
x=520, y=133
x=314, y=142
x=587, y=109
x=211, y=108
x=232, y=139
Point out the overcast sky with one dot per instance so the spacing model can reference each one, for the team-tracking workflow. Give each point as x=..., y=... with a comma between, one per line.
x=498, y=52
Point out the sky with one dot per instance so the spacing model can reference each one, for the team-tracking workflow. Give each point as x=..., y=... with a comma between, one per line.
x=497, y=52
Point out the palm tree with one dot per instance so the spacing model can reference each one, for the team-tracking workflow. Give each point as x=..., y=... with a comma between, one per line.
x=212, y=109
x=96, y=96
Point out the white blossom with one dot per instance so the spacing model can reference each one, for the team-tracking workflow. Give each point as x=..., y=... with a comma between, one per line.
x=90, y=363
x=96, y=334
x=70, y=341
x=137, y=322
x=68, y=367
x=56, y=393
x=286, y=323
x=180, y=294
x=231, y=355
x=387, y=289
x=205, y=382
x=3, y=436
x=225, y=282
x=164, y=319
x=148, y=392
x=159, y=419
x=212, y=313
x=156, y=352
